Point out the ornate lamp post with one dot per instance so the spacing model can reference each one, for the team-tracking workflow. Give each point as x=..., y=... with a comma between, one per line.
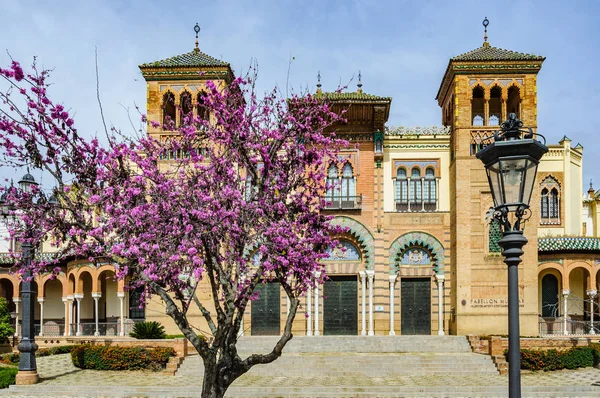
x=27, y=347
x=511, y=162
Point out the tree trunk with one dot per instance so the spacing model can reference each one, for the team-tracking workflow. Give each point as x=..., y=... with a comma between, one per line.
x=212, y=385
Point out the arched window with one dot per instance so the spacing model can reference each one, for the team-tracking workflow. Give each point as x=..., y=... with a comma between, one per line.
x=550, y=201
x=477, y=106
x=332, y=182
x=513, y=102
x=550, y=296
x=344, y=251
x=348, y=183
x=430, y=190
x=416, y=189
x=186, y=106
x=495, y=106
x=168, y=108
x=201, y=107
x=401, y=190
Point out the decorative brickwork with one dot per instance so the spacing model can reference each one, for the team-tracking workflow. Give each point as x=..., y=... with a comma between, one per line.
x=362, y=234
x=416, y=239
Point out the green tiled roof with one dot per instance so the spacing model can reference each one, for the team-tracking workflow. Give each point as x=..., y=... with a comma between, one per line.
x=489, y=53
x=6, y=259
x=193, y=58
x=563, y=244
x=353, y=96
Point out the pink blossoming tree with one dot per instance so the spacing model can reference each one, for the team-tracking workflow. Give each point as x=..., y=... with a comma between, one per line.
x=249, y=184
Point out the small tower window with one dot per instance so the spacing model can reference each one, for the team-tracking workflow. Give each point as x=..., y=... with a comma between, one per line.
x=477, y=106
x=348, y=183
x=416, y=188
x=401, y=190
x=168, y=108
x=550, y=201
x=201, y=106
x=186, y=106
x=430, y=190
x=513, y=103
x=495, y=104
x=332, y=182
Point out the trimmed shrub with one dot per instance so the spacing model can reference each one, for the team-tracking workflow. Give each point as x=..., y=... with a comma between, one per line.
x=7, y=376
x=14, y=357
x=175, y=336
x=6, y=330
x=148, y=330
x=574, y=358
x=596, y=351
x=581, y=357
x=121, y=358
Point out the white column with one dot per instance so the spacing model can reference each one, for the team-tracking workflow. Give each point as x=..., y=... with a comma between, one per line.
x=64, y=300
x=392, y=282
x=68, y=330
x=96, y=296
x=363, y=286
x=317, y=275
x=241, y=332
x=592, y=295
x=440, y=283
x=565, y=293
x=78, y=297
x=41, y=301
x=371, y=276
x=121, y=296
x=16, y=300
x=308, y=312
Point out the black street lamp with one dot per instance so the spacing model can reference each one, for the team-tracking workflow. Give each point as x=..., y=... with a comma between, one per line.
x=511, y=162
x=27, y=346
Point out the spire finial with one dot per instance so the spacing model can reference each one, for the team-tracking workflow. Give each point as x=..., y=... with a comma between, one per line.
x=359, y=85
x=485, y=24
x=197, y=30
x=319, y=82
x=591, y=186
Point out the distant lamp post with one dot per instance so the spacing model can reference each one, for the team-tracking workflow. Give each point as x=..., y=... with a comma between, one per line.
x=511, y=162
x=27, y=346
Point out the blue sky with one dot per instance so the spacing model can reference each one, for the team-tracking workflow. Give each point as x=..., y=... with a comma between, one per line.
x=401, y=47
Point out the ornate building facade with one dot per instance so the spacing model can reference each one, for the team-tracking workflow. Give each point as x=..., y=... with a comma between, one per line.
x=419, y=256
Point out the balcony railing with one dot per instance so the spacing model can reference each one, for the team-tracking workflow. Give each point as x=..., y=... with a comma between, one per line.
x=343, y=202
x=574, y=327
x=412, y=206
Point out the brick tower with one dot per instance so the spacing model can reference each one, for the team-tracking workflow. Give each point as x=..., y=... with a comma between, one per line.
x=479, y=89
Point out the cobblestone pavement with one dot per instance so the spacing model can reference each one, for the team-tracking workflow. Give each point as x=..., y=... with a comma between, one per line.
x=59, y=371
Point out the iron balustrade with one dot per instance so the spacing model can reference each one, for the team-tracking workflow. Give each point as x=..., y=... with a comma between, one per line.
x=343, y=202
x=575, y=327
x=416, y=206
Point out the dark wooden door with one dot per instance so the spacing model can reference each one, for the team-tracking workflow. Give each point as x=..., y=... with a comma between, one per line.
x=266, y=310
x=340, y=309
x=416, y=305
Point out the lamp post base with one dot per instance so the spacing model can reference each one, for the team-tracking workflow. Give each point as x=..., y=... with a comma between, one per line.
x=27, y=377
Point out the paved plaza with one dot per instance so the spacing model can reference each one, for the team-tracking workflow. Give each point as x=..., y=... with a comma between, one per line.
x=60, y=378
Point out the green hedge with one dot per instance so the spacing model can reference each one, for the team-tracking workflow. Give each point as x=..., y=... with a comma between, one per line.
x=120, y=358
x=7, y=376
x=577, y=357
x=13, y=357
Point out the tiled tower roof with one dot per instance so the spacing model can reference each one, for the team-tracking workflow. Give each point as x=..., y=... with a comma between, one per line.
x=490, y=53
x=191, y=59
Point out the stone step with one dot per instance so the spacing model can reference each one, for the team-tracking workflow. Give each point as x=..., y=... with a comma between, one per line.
x=304, y=391
x=261, y=344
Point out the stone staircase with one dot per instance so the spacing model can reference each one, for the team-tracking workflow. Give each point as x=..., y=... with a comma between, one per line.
x=343, y=356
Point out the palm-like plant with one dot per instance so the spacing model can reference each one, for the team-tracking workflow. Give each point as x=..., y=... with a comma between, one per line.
x=148, y=330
